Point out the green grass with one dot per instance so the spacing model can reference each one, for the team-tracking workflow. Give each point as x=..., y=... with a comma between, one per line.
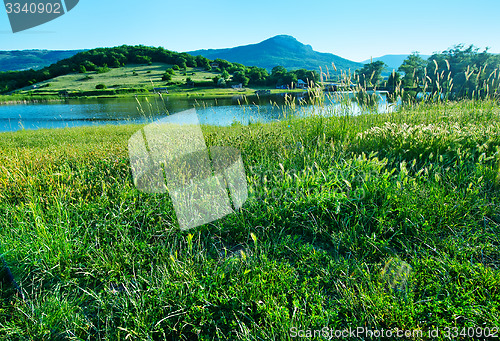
x=127, y=81
x=339, y=210
x=20, y=98
x=129, y=76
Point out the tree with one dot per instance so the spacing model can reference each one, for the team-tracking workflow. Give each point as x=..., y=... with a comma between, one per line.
x=115, y=63
x=103, y=69
x=203, y=62
x=237, y=67
x=413, y=67
x=462, y=71
x=307, y=76
x=394, y=81
x=240, y=77
x=278, y=71
x=290, y=78
x=371, y=74
x=223, y=64
x=221, y=83
x=190, y=60
x=142, y=59
x=257, y=75
x=181, y=62
x=167, y=76
x=280, y=76
x=89, y=66
x=225, y=75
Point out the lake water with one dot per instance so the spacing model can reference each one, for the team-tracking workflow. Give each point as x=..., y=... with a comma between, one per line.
x=80, y=112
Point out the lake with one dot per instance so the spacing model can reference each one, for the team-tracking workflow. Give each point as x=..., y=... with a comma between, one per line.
x=223, y=112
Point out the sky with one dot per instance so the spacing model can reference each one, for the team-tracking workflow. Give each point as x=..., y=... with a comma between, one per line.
x=355, y=29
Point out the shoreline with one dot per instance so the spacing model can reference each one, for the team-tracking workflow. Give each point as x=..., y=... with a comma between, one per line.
x=215, y=93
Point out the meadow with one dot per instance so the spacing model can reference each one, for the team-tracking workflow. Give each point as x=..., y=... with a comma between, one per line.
x=127, y=76
x=130, y=80
x=386, y=221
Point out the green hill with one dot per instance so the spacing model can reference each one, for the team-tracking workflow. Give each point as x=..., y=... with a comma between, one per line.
x=131, y=78
x=280, y=50
x=82, y=71
x=99, y=60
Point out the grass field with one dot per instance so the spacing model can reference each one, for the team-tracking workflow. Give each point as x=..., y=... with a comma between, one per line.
x=129, y=80
x=129, y=76
x=381, y=221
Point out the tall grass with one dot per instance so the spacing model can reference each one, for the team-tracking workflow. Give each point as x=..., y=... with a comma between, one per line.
x=383, y=221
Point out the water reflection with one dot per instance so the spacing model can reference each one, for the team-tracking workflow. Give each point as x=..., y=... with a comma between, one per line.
x=79, y=112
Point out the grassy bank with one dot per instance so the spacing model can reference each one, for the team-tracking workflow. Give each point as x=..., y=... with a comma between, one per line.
x=175, y=92
x=380, y=221
x=20, y=98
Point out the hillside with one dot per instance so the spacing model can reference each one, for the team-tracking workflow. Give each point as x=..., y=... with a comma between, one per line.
x=32, y=59
x=99, y=60
x=135, y=77
x=280, y=50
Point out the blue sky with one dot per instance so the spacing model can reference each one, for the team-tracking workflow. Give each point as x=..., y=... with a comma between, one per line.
x=355, y=29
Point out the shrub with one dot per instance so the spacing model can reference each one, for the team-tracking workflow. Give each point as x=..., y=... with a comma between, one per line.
x=89, y=66
x=103, y=69
x=221, y=83
x=101, y=86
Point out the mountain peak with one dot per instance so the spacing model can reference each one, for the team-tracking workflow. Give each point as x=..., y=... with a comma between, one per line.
x=284, y=41
x=283, y=37
x=282, y=50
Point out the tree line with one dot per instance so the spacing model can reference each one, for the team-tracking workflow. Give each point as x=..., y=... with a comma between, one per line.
x=458, y=72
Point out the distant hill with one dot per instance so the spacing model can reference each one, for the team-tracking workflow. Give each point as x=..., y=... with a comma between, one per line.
x=32, y=59
x=280, y=50
x=96, y=61
x=393, y=61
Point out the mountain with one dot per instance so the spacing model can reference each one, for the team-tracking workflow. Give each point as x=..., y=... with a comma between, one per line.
x=32, y=59
x=281, y=50
x=393, y=61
